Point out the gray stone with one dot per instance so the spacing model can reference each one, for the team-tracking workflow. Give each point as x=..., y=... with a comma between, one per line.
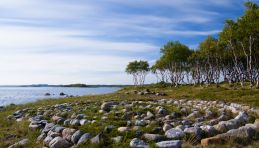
x=59, y=142
x=106, y=106
x=174, y=133
x=47, y=140
x=80, y=116
x=76, y=136
x=84, y=138
x=48, y=127
x=75, y=122
x=169, y=144
x=140, y=123
x=83, y=122
x=138, y=143
x=194, y=132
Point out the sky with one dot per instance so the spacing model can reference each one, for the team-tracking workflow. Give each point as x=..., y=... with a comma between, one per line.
x=92, y=41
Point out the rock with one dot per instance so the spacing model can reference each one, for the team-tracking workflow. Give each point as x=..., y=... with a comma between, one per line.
x=83, y=122
x=84, y=138
x=243, y=132
x=174, y=133
x=154, y=137
x=106, y=106
x=194, y=132
x=117, y=139
x=57, y=129
x=97, y=139
x=242, y=117
x=56, y=118
x=47, y=140
x=162, y=112
x=59, y=142
x=20, y=143
x=67, y=133
x=76, y=136
x=166, y=127
x=67, y=122
x=80, y=116
x=169, y=144
x=140, y=123
x=257, y=122
x=123, y=129
x=138, y=143
x=75, y=122
x=47, y=94
x=149, y=116
x=62, y=94
x=156, y=130
x=209, y=130
x=48, y=127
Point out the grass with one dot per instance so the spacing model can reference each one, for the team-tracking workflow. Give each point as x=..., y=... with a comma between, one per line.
x=11, y=132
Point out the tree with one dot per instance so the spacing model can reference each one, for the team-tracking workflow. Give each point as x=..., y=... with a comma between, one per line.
x=139, y=70
x=174, y=60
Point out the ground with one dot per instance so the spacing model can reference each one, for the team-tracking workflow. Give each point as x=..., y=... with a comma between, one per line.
x=12, y=131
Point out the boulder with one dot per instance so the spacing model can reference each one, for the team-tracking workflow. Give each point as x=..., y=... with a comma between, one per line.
x=174, y=133
x=140, y=123
x=76, y=136
x=169, y=144
x=84, y=138
x=59, y=142
x=194, y=132
x=67, y=133
x=106, y=106
x=47, y=140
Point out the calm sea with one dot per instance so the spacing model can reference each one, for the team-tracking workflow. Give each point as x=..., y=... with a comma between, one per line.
x=21, y=95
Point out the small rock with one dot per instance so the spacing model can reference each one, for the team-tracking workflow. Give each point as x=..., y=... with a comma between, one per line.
x=76, y=136
x=84, y=138
x=123, y=129
x=169, y=144
x=174, y=133
x=138, y=143
x=97, y=139
x=59, y=142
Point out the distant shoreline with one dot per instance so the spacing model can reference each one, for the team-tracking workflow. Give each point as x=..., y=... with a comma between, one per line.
x=70, y=85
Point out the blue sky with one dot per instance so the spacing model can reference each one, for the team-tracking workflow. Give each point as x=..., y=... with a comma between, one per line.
x=83, y=41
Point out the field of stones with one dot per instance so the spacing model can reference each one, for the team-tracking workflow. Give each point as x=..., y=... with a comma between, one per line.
x=163, y=123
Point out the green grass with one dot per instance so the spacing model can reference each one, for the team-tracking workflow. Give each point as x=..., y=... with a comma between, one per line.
x=11, y=132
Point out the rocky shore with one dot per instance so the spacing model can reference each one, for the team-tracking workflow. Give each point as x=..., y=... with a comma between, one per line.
x=164, y=123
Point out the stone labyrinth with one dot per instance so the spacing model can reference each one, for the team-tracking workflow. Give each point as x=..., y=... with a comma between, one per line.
x=161, y=123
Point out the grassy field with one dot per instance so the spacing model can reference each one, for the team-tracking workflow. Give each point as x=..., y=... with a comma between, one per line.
x=11, y=131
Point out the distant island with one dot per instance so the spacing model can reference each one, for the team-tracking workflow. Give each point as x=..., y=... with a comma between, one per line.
x=67, y=85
